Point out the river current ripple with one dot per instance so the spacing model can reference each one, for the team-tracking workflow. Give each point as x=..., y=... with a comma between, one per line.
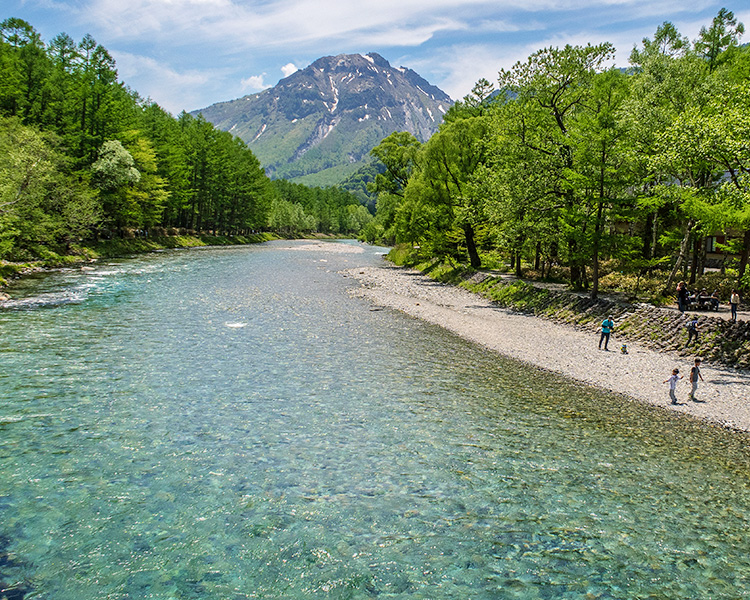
x=230, y=423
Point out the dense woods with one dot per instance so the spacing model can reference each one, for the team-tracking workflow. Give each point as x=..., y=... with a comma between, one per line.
x=82, y=156
x=567, y=167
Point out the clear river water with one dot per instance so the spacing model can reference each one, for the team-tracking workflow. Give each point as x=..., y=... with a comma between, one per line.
x=230, y=423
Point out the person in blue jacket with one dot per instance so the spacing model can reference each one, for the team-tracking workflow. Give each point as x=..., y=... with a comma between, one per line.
x=607, y=326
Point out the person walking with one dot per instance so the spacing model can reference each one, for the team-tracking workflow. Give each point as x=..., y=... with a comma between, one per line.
x=692, y=327
x=695, y=374
x=672, y=380
x=734, y=302
x=607, y=326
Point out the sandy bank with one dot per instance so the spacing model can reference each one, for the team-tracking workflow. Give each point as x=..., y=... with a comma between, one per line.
x=724, y=395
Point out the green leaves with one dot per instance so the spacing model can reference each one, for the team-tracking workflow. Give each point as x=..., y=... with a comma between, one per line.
x=39, y=203
x=573, y=164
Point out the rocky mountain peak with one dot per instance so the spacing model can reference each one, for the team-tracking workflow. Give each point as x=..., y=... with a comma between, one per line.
x=328, y=116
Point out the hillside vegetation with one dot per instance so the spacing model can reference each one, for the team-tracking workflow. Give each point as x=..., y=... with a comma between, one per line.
x=85, y=159
x=569, y=169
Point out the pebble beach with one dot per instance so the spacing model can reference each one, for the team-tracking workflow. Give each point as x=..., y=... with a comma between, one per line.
x=723, y=398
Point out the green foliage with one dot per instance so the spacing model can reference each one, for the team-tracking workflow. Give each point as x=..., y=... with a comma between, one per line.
x=724, y=33
x=614, y=179
x=518, y=294
x=40, y=204
x=397, y=153
x=325, y=210
x=83, y=157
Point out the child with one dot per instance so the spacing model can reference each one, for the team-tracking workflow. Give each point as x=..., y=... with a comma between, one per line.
x=695, y=374
x=692, y=327
x=673, y=384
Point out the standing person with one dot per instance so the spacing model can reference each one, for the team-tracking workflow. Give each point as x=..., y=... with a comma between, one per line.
x=695, y=374
x=682, y=296
x=673, y=384
x=734, y=302
x=607, y=326
x=692, y=327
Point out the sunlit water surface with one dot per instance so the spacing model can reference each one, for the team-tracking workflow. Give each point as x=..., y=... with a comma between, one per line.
x=230, y=423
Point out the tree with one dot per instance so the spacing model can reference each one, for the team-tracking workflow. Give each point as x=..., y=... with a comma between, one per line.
x=669, y=80
x=448, y=163
x=397, y=153
x=40, y=204
x=715, y=135
x=601, y=162
x=551, y=90
x=114, y=172
x=24, y=67
x=724, y=33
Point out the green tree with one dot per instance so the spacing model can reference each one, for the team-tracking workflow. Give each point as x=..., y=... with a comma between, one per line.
x=23, y=69
x=448, y=162
x=114, y=173
x=40, y=204
x=723, y=34
x=398, y=154
x=551, y=90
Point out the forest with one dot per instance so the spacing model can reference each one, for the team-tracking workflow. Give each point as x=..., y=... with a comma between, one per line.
x=83, y=157
x=570, y=168
x=565, y=168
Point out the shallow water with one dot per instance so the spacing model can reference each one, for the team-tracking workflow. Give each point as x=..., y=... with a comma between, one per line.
x=230, y=423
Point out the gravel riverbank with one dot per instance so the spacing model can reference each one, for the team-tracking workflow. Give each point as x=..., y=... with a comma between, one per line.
x=724, y=396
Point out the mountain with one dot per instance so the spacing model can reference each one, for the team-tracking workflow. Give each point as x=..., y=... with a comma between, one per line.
x=319, y=124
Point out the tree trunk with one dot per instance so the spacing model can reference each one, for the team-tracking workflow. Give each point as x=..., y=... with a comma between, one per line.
x=694, y=262
x=576, y=280
x=745, y=253
x=680, y=257
x=595, y=262
x=471, y=247
x=647, y=235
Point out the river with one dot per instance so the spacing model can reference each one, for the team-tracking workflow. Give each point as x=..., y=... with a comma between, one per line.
x=230, y=423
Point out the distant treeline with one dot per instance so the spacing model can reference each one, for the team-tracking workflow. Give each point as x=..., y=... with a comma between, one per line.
x=83, y=156
x=572, y=167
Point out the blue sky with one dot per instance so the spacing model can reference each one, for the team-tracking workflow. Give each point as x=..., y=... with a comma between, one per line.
x=188, y=54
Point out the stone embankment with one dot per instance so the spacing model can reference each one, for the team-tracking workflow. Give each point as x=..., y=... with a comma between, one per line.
x=721, y=341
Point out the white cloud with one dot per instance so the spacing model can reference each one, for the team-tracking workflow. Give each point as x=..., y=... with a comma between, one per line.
x=254, y=82
x=240, y=24
x=288, y=69
x=176, y=91
x=457, y=68
x=201, y=50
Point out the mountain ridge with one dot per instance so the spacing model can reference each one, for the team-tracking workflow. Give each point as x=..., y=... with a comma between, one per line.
x=321, y=122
